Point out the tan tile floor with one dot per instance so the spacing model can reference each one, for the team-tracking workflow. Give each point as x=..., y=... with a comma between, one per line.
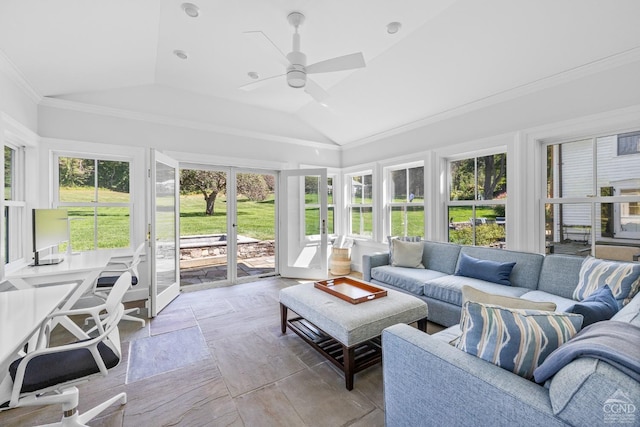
x=251, y=374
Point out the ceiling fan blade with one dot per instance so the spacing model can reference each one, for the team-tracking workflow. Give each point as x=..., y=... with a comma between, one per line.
x=316, y=92
x=346, y=62
x=266, y=44
x=258, y=83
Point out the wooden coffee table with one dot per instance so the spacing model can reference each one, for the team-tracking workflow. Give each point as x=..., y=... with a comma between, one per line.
x=348, y=335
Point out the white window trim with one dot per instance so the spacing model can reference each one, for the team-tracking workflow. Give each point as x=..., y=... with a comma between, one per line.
x=388, y=205
x=349, y=205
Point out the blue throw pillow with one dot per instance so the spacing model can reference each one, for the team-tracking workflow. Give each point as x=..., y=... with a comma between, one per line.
x=483, y=269
x=600, y=305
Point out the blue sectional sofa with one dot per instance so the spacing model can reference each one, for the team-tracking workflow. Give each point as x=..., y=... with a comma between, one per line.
x=534, y=277
x=429, y=381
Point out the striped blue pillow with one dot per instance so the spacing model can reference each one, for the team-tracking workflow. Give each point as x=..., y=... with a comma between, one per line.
x=516, y=340
x=623, y=279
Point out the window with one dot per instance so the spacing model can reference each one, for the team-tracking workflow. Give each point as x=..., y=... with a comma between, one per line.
x=14, y=205
x=360, y=206
x=312, y=206
x=96, y=194
x=477, y=200
x=628, y=143
x=593, y=192
x=405, y=201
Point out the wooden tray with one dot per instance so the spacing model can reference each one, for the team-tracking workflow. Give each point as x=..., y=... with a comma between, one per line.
x=350, y=290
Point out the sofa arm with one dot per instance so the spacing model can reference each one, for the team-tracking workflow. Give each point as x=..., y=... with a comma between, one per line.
x=428, y=379
x=371, y=261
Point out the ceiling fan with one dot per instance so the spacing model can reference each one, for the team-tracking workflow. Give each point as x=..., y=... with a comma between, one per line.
x=296, y=62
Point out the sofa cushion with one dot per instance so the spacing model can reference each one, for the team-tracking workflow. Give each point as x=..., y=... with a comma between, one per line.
x=622, y=277
x=526, y=271
x=409, y=279
x=516, y=340
x=440, y=256
x=449, y=288
x=599, y=306
x=406, y=254
x=483, y=269
x=559, y=274
x=562, y=303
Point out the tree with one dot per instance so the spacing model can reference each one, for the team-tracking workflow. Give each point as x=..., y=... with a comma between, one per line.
x=253, y=186
x=208, y=183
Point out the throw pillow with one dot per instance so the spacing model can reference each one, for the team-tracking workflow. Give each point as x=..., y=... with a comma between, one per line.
x=623, y=279
x=484, y=269
x=406, y=254
x=403, y=238
x=516, y=340
x=600, y=305
x=472, y=294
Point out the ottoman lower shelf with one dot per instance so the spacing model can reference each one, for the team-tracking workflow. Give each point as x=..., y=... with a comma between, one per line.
x=358, y=357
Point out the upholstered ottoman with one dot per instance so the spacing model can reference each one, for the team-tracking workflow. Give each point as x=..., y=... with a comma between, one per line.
x=347, y=334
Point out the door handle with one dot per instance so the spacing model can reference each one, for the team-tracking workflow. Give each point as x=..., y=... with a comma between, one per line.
x=324, y=227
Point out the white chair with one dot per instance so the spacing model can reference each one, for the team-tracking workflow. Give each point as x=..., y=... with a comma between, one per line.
x=108, y=278
x=49, y=375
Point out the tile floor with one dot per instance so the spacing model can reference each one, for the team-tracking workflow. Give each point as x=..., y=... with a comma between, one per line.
x=217, y=358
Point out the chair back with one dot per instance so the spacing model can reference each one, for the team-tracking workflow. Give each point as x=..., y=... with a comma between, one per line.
x=136, y=258
x=116, y=294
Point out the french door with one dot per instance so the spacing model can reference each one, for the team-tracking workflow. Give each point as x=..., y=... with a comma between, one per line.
x=303, y=223
x=164, y=232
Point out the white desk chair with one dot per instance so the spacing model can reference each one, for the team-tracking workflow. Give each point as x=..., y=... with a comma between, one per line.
x=107, y=278
x=49, y=375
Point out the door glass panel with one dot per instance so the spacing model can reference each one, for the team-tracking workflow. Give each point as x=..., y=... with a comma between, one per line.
x=255, y=224
x=165, y=220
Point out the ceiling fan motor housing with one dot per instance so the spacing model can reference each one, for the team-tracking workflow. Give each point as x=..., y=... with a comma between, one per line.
x=296, y=72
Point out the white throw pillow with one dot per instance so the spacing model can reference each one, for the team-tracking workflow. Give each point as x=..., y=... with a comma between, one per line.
x=406, y=254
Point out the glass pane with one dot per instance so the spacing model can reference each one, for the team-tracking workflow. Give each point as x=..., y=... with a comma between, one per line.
x=568, y=228
x=492, y=177
x=311, y=189
x=81, y=223
x=165, y=226
x=9, y=157
x=618, y=220
x=356, y=189
x=362, y=221
x=407, y=220
x=619, y=174
x=330, y=220
x=367, y=189
x=460, y=227
x=398, y=186
x=570, y=169
x=113, y=181
x=416, y=185
x=256, y=224
x=311, y=221
x=113, y=228
x=462, y=180
x=330, y=191
x=76, y=179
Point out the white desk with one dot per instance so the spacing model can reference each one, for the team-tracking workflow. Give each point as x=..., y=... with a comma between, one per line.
x=21, y=313
x=84, y=267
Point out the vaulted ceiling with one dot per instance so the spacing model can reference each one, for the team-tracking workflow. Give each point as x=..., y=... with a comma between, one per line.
x=448, y=54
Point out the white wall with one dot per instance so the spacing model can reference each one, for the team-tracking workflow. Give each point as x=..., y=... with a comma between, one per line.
x=17, y=100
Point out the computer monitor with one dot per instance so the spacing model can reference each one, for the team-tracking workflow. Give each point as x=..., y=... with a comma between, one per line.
x=50, y=229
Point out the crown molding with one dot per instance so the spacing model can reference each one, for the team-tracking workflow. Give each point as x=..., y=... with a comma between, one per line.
x=16, y=132
x=594, y=67
x=173, y=121
x=8, y=68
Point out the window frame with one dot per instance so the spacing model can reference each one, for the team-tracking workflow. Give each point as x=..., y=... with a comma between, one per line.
x=477, y=201
x=389, y=204
x=15, y=243
x=96, y=157
x=349, y=205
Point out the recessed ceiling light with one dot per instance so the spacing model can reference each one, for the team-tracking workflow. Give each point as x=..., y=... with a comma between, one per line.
x=254, y=75
x=393, y=27
x=181, y=54
x=191, y=10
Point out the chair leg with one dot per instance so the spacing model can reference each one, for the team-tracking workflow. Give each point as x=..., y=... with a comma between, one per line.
x=96, y=410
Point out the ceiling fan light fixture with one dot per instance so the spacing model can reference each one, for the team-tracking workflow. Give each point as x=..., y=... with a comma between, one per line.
x=181, y=54
x=191, y=10
x=393, y=27
x=296, y=78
